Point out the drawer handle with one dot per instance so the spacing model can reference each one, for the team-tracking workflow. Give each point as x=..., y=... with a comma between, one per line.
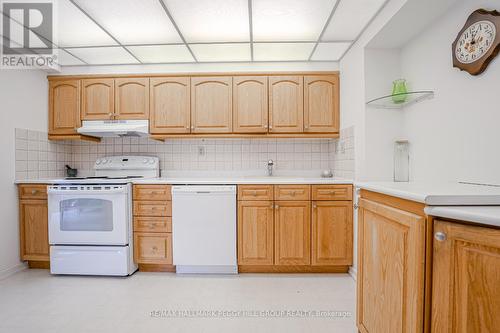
x=152, y=225
x=254, y=193
x=34, y=191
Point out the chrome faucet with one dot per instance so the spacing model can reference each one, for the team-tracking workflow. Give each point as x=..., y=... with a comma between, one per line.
x=270, y=165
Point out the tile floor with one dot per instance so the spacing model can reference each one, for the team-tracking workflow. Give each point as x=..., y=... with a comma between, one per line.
x=35, y=301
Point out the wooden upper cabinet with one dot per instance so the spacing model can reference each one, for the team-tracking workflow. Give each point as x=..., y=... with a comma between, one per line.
x=331, y=233
x=391, y=267
x=286, y=104
x=98, y=99
x=211, y=104
x=170, y=104
x=34, y=239
x=64, y=107
x=131, y=98
x=292, y=233
x=466, y=279
x=255, y=233
x=250, y=111
x=321, y=104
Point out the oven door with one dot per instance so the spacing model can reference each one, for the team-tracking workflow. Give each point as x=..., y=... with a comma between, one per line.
x=89, y=214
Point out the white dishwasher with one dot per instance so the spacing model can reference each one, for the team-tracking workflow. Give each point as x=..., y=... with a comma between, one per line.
x=204, y=229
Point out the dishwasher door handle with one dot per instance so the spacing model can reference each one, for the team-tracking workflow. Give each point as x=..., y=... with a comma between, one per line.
x=203, y=192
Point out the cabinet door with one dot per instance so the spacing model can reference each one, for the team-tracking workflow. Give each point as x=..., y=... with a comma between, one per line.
x=64, y=107
x=292, y=234
x=332, y=233
x=321, y=104
x=286, y=109
x=153, y=248
x=250, y=104
x=255, y=233
x=170, y=105
x=211, y=104
x=132, y=98
x=466, y=279
x=33, y=218
x=391, y=255
x=98, y=99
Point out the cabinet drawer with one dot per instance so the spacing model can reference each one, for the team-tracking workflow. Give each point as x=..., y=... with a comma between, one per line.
x=152, y=192
x=152, y=248
x=332, y=192
x=292, y=192
x=255, y=192
x=33, y=191
x=152, y=224
x=152, y=208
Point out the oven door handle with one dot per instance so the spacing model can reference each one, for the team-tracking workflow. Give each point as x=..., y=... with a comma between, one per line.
x=87, y=192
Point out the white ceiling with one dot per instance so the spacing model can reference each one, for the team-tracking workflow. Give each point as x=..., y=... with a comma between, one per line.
x=117, y=32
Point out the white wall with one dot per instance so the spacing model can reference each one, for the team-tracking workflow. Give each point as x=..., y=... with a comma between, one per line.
x=455, y=136
x=23, y=103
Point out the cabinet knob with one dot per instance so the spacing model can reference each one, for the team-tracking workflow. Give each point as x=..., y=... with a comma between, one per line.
x=192, y=127
x=272, y=206
x=265, y=126
x=440, y=236
x=315, y=206
x=34, y=191
x=277, y=206
x=154, y=248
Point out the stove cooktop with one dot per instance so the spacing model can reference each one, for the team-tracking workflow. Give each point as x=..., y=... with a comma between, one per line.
x=102, y=177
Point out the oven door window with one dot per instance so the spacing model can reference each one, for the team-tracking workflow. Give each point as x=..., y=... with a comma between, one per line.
x=86, y=215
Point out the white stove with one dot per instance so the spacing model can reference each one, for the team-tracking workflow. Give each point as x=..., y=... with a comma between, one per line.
x=90, y=219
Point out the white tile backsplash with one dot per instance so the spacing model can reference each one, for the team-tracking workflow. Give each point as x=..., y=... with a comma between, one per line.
x=36, y=157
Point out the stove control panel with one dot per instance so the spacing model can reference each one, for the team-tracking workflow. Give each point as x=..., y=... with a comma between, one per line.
x=127, y=163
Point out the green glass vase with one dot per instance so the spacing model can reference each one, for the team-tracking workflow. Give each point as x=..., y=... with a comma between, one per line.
x=399, y=91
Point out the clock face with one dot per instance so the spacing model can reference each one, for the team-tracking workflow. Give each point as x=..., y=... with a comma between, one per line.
x=475, y=41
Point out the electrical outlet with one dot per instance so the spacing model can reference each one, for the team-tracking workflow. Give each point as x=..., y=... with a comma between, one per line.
x=201, y=151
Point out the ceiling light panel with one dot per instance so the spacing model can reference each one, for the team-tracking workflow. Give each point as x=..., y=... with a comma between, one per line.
x=104, y=55
x=288, y=20
x=211, y=20
x=222, y=52
x=350, y=18
x=330, y=51
x=282, y=51
x=162, y=53
x=76, y=29
x=66, y=59
x=132, y=21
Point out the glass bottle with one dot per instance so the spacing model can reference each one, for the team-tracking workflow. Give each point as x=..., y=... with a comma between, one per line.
x=401, y=161
x=399, y=91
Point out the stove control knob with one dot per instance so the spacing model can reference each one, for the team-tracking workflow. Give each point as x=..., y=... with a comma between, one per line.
x=98, y=162
x=151, y=161
x=145, y=161
x=104, y=161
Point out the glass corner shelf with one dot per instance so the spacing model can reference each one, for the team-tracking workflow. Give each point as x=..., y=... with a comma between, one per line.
x=398, y=101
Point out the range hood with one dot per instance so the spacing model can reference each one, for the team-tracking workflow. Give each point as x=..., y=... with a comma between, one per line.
x=114, y=128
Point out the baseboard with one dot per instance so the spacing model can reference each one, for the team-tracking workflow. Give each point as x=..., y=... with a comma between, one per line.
x=12, y=270
x=291, y=269
x=353, y=272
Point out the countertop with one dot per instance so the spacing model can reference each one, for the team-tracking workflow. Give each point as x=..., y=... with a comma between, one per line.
x=487, y=215
x=438, y=194
x=230, y=180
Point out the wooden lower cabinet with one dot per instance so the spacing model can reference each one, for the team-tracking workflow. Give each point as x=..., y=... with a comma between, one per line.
x=466, y=278
x=255, y=233
x=391, y=268
x=34, y=234
x=153, y=248
x=331, y=233
x=292, y=234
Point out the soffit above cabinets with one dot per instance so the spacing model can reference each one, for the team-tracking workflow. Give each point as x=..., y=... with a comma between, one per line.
x=126, y=32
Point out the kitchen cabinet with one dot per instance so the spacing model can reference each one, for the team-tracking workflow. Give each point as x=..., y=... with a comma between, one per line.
x=131, y=98
x=33, y=223
x=331, y=233
x=321, y=104
x=250, y=106
x=279, y=231
x=98, y=99
x=465, y=278
x=211, y=104
x=170, y=105
x=152, y=210
x=255, y=232
x=286, y=104
x=391, y=264
x=292, y=237
x=64, y=107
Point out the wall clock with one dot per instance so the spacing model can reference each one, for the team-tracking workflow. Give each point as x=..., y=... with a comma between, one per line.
x=478, y=42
